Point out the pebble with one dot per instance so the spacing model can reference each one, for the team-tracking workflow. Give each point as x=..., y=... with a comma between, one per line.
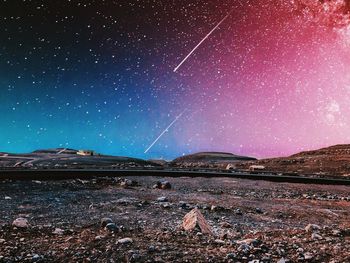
x=219, y=241
x=231, y=256
x=308, y=256
x=126, y=183
x=105, y=221
x=259, y=210
x=336, y=232
x=167, y=205
x=164, y=185
x=238, y=212
x=162, y=199
x=58, y=231
x=300, y=250
x=36, y=257
x=126, y=240
x=151, y=249
x=316, y=236
x=111, y=227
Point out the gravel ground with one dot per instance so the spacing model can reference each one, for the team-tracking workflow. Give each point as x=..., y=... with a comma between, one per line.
x=252, y=221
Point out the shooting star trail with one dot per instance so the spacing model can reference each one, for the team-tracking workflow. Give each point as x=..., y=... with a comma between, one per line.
x=166, y=130
x=200, y=43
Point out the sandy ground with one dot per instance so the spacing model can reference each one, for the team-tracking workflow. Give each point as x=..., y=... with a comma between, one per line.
x=252, y=221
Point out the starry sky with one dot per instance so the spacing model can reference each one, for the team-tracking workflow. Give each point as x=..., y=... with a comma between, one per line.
x=273, y=79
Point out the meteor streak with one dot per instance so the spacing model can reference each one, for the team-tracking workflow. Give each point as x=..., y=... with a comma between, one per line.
x=166, y=130
x=200, y=43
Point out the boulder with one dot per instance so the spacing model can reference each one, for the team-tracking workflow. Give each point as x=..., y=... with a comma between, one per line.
x=194, y=219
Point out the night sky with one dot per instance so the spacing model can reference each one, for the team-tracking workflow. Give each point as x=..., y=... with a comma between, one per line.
x=273, y=79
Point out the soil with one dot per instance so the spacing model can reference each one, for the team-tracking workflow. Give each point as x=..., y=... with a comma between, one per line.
x=252, y=221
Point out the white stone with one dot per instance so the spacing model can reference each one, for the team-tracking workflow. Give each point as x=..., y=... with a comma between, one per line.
x=58, y=231
x=20, y=222
x=126, y=240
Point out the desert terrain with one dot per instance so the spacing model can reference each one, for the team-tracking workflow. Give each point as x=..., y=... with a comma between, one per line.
x=333, y=161
x=135, y=219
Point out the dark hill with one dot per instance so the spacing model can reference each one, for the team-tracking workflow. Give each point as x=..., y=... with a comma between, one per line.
x=207, y=158
x=331, y=161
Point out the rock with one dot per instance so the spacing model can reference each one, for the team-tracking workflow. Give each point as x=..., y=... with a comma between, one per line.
x=162, y=199
x=231, y=256
x=225, y=225
x=111, y=227
x=336, y=232
x=36, y=257
x=8, y=198
x=194, y=219
x=259, y=210
x=316, y=236
x=182, y=204
x=99, y=237
x=215, y=208
x=244, y=248
x=156, y=185
x=308, y=256
x=282, y=260
x=135, y=257
x=249, y=241
x=164, y=185
x=105, y=221
x=58, y=231
x=151, y=249
x=166, y=205
x=238, y=212
x=219, y=241
x=312, y=228
x=20, y=222
x=126, y=240
x=2, y=241
x=300, y=250
x=127, y=183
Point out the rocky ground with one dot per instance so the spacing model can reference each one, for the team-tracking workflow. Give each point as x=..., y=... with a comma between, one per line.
x=137, y=220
